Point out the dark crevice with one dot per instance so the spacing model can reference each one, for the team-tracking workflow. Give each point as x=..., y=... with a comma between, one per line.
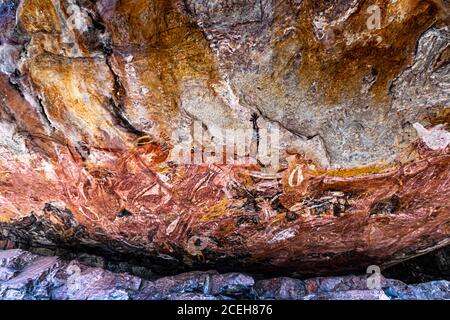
x=124, y=213
x=386, y=206
x=429, y=267
x=44, y=113
x=124, y=123
x=15, y=84
x=254, y=121
x=99, y=39
x=295, y=133
x=15, y=81
x=119, y=91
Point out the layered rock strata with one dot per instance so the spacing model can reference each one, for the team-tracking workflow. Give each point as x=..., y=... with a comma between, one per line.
x=95, y=96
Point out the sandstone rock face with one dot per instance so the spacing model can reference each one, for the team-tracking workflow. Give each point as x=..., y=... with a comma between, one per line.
x=30, y=277
x=98, y=99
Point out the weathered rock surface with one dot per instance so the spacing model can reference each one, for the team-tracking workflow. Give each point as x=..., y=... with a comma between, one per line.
x=96, y=95
x=27, y=276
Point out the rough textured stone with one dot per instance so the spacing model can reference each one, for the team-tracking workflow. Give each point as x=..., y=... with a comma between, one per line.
x=93, y=92
x=42, y=278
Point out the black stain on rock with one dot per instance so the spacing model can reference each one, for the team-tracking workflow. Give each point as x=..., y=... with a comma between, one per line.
x=387, y=206
x=291, y=216
x=253, y=219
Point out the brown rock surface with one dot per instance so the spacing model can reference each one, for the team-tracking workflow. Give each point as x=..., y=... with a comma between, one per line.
x=96, y=95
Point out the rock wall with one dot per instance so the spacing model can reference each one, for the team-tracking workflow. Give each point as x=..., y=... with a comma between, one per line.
x=95, y=96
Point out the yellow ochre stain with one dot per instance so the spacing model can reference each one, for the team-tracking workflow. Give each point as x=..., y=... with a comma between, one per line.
x=361, y=171
x=6, y=216
x=278, y=217
x=214, y=212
